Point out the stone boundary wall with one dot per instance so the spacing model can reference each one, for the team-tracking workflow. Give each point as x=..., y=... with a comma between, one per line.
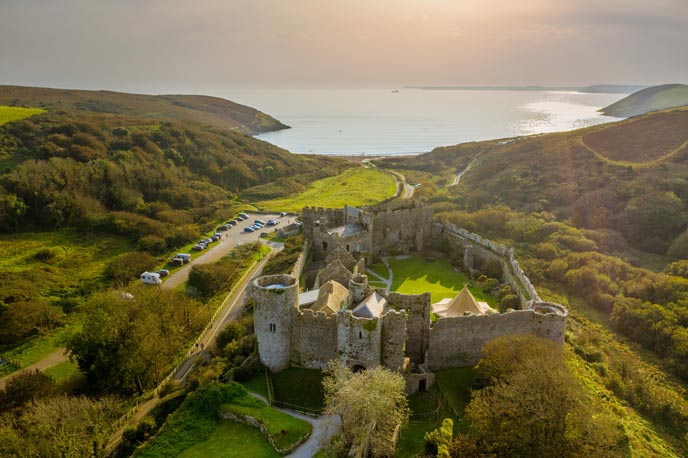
x=255, y=423
x=300, y=263
x=458, y=341
x=511, y=269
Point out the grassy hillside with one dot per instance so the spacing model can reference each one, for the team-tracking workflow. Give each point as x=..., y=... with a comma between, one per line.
x=9, y=114
x=357, y=186
x=212, y=111
x=651, y=99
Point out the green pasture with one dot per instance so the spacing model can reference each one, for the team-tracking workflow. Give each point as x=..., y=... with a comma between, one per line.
x=356, y=187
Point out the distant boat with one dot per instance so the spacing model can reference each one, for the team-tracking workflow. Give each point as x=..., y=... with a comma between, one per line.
x=395, y=90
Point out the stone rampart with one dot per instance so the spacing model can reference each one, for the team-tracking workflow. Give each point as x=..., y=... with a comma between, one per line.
x=297, y=270
x=329, y=217
x=458, y=341
x=411, y=226
x=491, y=251
x=313, y=339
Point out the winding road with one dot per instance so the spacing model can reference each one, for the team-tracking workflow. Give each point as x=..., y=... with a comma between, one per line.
x=458, y=176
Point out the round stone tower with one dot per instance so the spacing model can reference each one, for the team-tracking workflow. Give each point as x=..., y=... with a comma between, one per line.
x=357, y=288
x=276, y=299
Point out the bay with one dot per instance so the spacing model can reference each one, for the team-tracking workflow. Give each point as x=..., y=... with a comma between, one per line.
x=374, y=121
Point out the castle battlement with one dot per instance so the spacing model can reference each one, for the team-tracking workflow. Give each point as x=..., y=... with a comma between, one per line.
x=366, y=327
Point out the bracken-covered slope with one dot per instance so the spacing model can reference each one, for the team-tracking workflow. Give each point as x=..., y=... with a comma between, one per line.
x=651, y=99
x=212, y=111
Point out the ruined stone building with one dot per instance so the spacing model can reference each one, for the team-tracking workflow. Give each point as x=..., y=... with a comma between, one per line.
x=341, y=317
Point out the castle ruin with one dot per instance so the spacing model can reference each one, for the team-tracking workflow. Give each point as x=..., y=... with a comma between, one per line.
x=343, y=318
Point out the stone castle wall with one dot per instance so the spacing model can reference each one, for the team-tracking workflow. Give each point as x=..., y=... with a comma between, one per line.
x=418, y=307
x=393, y=340
x=488, y=251
x=324, y=243
x=456, y=342
x=411, y=226
x=313, y=339
x=359, y=340
x=331, y=217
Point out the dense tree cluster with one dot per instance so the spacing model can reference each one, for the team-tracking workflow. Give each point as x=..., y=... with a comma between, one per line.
x=120, y=175
x=529, y=404
x=59, y=427
x=129, y=344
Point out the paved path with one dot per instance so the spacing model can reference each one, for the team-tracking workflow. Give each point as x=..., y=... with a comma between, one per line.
x=458, y=176
x=324, y=427
x=53, y=359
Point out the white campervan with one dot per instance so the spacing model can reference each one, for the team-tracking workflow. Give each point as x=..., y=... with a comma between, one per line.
x=151, y=278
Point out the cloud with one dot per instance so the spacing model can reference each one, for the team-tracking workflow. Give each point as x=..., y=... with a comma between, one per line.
x=150, y=44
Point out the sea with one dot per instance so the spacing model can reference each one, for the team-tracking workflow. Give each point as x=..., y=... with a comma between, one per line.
x=388, y=121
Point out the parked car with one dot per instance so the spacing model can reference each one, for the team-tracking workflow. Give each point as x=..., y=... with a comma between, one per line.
x=163, y=272
x=216, y=237
x=222, y=228
x=206, y=241
x=248, y=229
x=273, y=222
x=242, y=215
x=151, y=278
x=283, y=214
x=234, y=222
x=199, y=247
x=185, y=256
x=259, y=221
x=176, y=262
x=241, y=218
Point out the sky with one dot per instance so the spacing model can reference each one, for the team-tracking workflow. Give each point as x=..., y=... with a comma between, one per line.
x=202, y=45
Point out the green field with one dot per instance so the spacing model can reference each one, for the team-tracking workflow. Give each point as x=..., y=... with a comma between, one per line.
x=357, y=187
x=66, y=375
x=415, y=274
x=232, y=440
x=257, y=384
x=9, y=114
x=285, y=430
x=300, y=387
x=58, y=268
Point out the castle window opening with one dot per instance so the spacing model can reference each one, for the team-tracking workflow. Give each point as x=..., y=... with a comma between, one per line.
x=273, y=327
x=360, y=334
x=347, y=248
x=324, y=246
